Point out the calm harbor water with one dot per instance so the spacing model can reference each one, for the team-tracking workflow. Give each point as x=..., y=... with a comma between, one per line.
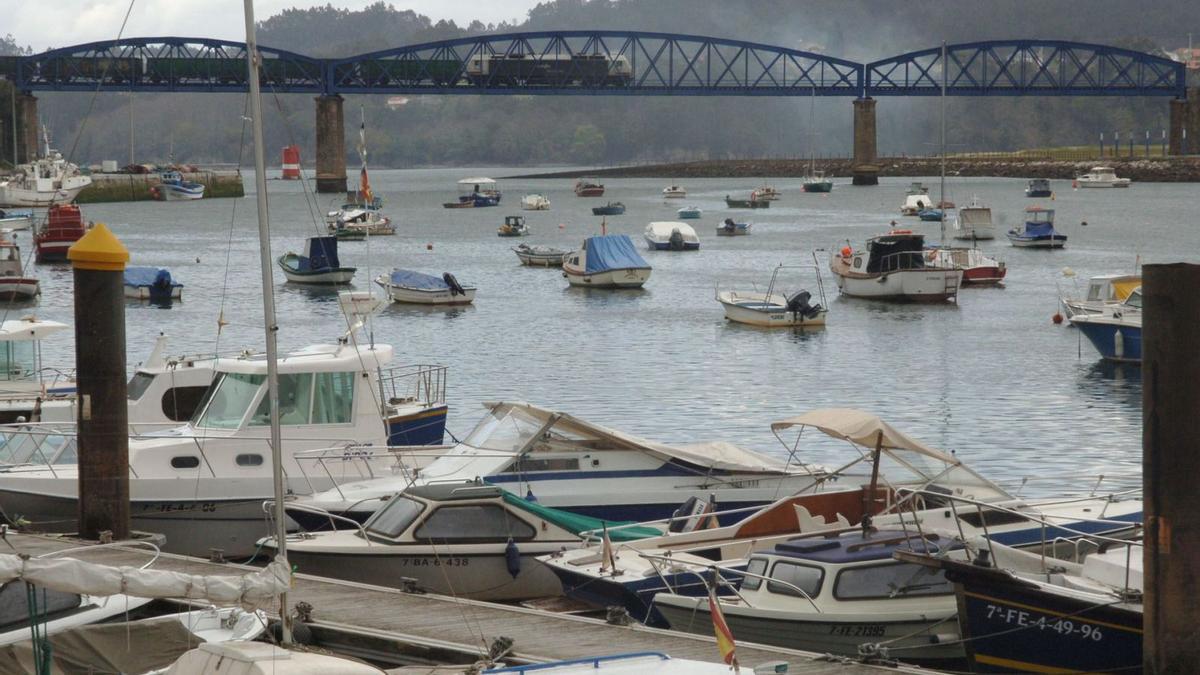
x=989, y=378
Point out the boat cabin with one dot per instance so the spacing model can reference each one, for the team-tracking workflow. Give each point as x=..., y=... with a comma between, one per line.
x=1036, y=215
x=897, y=250
x=514, y=222
x=1112, y=287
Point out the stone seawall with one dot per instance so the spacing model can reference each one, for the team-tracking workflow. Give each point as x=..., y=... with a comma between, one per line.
x=135, y=187
x=1172, y=170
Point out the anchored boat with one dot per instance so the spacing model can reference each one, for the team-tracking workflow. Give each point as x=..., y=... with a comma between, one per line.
x=535, y=202
x=514, y=226
x=540, y=256
x=46, y=181
x=589, y=187
x=776, y=308
x=1116, y=331
x=732, y=229
x=894, y=267
x=689, y=213
x=318, y=265
x=14, y=284
x=978, y=269
x=754, y=202
x=1101, y=177
x=16, y=219
x=667, y=236
x=609, y=209
x=974, y=222
x=1038, y=230
x=674, y=192
x=606, y=261
x=418, y=288
x=151, y=283
x=1103, y=291
x=62, y=228
x=1039, y=188
x=173, y=187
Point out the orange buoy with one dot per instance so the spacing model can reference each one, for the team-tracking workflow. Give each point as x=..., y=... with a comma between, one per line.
x=1057, y=318
x=562, y=226
x=846, y=251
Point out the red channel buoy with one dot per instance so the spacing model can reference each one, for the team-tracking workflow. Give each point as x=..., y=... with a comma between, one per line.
x=1057, y=318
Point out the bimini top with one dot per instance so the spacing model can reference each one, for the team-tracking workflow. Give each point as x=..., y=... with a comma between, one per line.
x=150, y=277
x=612, y=252
x=28, y=328
x=418, y=280
x=861, y=428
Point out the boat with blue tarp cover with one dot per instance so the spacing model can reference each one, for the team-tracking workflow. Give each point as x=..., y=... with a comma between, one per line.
x=151, y=283
x=1115, y=332
x=1038, y=230
x=408, y=286
x=318, y=265
x=606, y=261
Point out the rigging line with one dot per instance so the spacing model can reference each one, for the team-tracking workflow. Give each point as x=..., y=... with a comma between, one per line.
x=312, y=204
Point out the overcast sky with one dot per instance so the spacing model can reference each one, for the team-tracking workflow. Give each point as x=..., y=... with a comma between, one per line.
x=57, y=23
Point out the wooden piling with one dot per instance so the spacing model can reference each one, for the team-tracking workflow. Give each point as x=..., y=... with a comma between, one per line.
x=98, y=259
x=1171, y=465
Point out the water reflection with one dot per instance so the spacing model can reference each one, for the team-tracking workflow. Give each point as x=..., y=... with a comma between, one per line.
x=401, y=309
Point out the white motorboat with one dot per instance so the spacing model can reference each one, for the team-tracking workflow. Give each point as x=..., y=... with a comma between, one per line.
x=1115, y=332
x=514, y=226
x=329, y=397
x=535, y=202
x=418, y=288
x=486, y=539
x=47, y=180
x=173, y=187
x=916, y=200
x=359, y=218
x=1037, y=231
x=318, y=265
x=14, y=284
x=674, y=192
x=540, y=256
x=978, y=268
x=16, y=219
x=894, y=267
x=1103, y=291
x=671, y=236
x=151, y=283
x=606, y=261
x=568, y=463
x=974, y=222
x=1101, y=177
x=776, y=307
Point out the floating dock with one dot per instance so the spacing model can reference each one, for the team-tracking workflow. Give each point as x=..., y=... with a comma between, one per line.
x=437, y=624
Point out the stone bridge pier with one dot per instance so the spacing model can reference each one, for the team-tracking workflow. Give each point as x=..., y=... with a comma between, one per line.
x=1184, y=136
x=331, y=144
x=865, y=165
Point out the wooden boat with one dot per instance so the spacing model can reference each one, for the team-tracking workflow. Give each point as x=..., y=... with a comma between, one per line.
x=752, y=203
x=318, y=265
x=151, y=283
x=540, y=256
x=514, y=226
x=416, y=288
x=609, y=209
x=674, y=192
x=667, y=236
x=1038, y=187
x=14, y=285
x=1038, y=230
x=732, y=229
x=63, y=227
x=893, y=267
x=588, y=187
x=978, y=269
x=774, y=307
x=607, y=261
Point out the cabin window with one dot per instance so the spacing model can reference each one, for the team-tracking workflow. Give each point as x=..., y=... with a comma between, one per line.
x=395, y=517
x=756, y=566
x=18, y=360
x=1094, y=292
x=472, y=523
x=249, y=460
x=295, y=401
x=804, y=577
x=227, y=400
x=333, y=402
x=185, y=462
x=1134, y=299
x=526, y=465
x=890, y=580
x=180, y=403
x=138, y=384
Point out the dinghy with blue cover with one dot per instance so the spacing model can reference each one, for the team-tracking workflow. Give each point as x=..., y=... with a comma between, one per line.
x=1038, y=230
x=151, y=283
x=418, y=288
x=318, y=265
x=607, y=261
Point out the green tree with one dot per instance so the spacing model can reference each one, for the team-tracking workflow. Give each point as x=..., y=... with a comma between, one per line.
x=588, y=145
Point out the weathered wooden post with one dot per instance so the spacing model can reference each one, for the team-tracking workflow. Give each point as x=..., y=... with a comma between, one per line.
x=98, y=259
x=1171, y=463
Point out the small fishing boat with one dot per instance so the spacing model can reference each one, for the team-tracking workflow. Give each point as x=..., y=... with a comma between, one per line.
x=588, y=187
x=776, y=307
x=318, y=265
x=47, y=180
x=535, y=202
x=669, y=236
x=1038, y=230
x=16, y=219
x=480, y=191
x=732, y=229
x=363, y=218
x=674, y=192
x=173, y=187
x=416, y=288
x=752, y=203
x=974, y=222
x=514, y=226
x=1115, y=332
x=893, y=267
x=14, y=285
x=689, y=213
x=915, y=199
x=1038, y=187
x=62, y=228
x=151, y=283
x=540, y=256
x=1103, y=291
x=816, y=182
x=932, y=215
x=343, y=233
x=1101, y=177
x=768, y=192
x=462, y=203
x=609, y=209
x=977, y=268
x=606, y=261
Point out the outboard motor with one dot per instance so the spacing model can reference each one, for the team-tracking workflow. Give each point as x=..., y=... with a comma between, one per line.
x=676, y=240
x=455, y=287
x=798, y=304
x=693, y=515
x=160, y=290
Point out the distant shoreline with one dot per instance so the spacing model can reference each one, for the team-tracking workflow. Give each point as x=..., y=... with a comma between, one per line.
x=1171, y=170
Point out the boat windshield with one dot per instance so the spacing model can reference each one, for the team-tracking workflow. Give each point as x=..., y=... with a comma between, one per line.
x=1134, y=299
x=395, y=517
x=18, y=360
x=505, y=430
x=890, y=580
x=227, y=400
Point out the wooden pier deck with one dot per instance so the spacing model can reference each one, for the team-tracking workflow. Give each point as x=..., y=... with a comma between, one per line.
x=465, y=625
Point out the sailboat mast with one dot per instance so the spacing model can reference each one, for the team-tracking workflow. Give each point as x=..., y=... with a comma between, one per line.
x=812, y=133
x=942, y=186
x=268, y=294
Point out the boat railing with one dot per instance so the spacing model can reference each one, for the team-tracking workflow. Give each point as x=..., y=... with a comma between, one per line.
x=413, y=384
x=719, y=579
x=268, y=508
x=902, y=261
x=1121, y=483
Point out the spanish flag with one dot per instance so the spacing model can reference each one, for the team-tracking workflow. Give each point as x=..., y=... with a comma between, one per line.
x=721, y=629
x=364, y=189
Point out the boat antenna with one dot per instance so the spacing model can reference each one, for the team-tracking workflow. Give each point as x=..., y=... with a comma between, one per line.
x=942, y=187
x=268, y=293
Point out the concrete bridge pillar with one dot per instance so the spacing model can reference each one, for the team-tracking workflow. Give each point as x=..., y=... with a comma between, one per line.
x=27, y=127
x=1185, y=114
x=331, y=144
x=866, y=169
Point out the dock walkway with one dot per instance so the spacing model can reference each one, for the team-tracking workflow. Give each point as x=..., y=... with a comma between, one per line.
x=464, y=624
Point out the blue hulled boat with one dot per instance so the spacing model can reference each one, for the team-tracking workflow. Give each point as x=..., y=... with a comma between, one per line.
x=1115, y=332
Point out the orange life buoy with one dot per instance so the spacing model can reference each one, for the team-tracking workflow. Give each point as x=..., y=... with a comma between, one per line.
x=901, y=232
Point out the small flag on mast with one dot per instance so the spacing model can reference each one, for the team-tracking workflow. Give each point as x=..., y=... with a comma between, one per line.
x=721, y=629
x=608, y=561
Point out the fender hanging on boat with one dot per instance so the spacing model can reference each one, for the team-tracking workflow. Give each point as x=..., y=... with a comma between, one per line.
x=512, y=558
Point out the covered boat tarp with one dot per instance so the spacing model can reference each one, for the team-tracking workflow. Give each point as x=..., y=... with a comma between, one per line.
x=975, y=216
x=1039, y=230
x=418, y=280
x=320, y=254
x=70, y=575
x=576, y=523
x=612, y=252
x=150, y=277
x=134, y=647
